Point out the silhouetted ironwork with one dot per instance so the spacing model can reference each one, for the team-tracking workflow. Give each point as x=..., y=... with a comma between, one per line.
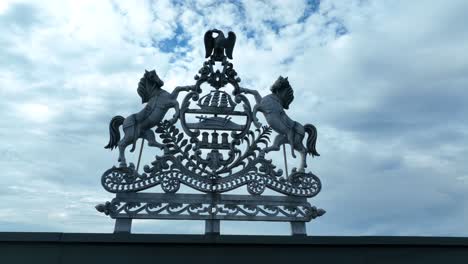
x=209, y=146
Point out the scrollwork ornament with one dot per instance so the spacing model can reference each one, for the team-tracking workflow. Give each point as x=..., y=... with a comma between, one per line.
x=256, y=186
x=170, y=184
x=208, y=144
x=305, y=180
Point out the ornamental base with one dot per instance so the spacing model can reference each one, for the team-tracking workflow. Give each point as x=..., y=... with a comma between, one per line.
x=209, y=207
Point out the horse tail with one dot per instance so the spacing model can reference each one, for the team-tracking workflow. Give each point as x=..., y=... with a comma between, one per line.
x=114, y=132
x=311, y=140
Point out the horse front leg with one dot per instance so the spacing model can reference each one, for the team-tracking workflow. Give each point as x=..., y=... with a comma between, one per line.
x=255, y=93
x=176, y=115
x=254, y=116
x=179, y=89
x=279, y=140
x=149, y=135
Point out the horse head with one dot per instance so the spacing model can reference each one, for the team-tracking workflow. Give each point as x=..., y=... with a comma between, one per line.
x=149, y=84
x=283, y=90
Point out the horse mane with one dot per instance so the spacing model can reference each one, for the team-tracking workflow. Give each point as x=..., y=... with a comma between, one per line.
x=149, y=83
x=283, y=90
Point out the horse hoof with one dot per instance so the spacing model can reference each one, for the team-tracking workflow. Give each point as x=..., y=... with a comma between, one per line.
x=123, y=164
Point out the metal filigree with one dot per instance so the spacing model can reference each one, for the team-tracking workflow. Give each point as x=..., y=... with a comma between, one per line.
x=183, y=163
x=209, y=145
x=201, y=207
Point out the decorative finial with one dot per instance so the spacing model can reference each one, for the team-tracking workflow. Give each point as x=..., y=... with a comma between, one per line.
x=217, y=45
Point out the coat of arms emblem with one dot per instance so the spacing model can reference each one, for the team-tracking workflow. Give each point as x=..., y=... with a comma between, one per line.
x=214, y=143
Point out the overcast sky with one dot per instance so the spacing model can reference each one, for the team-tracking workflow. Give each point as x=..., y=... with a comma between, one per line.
x=385, y=83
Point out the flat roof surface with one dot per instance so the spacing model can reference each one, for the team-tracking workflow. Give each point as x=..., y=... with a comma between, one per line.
x=232, y=239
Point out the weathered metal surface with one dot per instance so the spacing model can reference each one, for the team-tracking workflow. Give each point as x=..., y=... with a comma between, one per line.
x=209, y=145
x=210, y=207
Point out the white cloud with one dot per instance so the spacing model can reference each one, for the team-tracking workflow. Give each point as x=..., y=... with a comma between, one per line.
x=34, y=112
x=388, y=99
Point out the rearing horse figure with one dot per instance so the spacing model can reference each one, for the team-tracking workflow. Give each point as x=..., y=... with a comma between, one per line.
x=139, y=125
x=289, y=131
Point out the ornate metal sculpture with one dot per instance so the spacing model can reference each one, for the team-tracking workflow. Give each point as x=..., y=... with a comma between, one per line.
x=139, y=125
x=212, y=149
x=289, y=131
x=219, y=44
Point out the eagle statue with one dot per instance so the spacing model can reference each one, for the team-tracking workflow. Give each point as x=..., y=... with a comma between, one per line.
x=219, y=44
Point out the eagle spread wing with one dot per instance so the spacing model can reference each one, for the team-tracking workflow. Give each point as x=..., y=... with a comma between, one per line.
x=229, y=44
x=209, y=43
